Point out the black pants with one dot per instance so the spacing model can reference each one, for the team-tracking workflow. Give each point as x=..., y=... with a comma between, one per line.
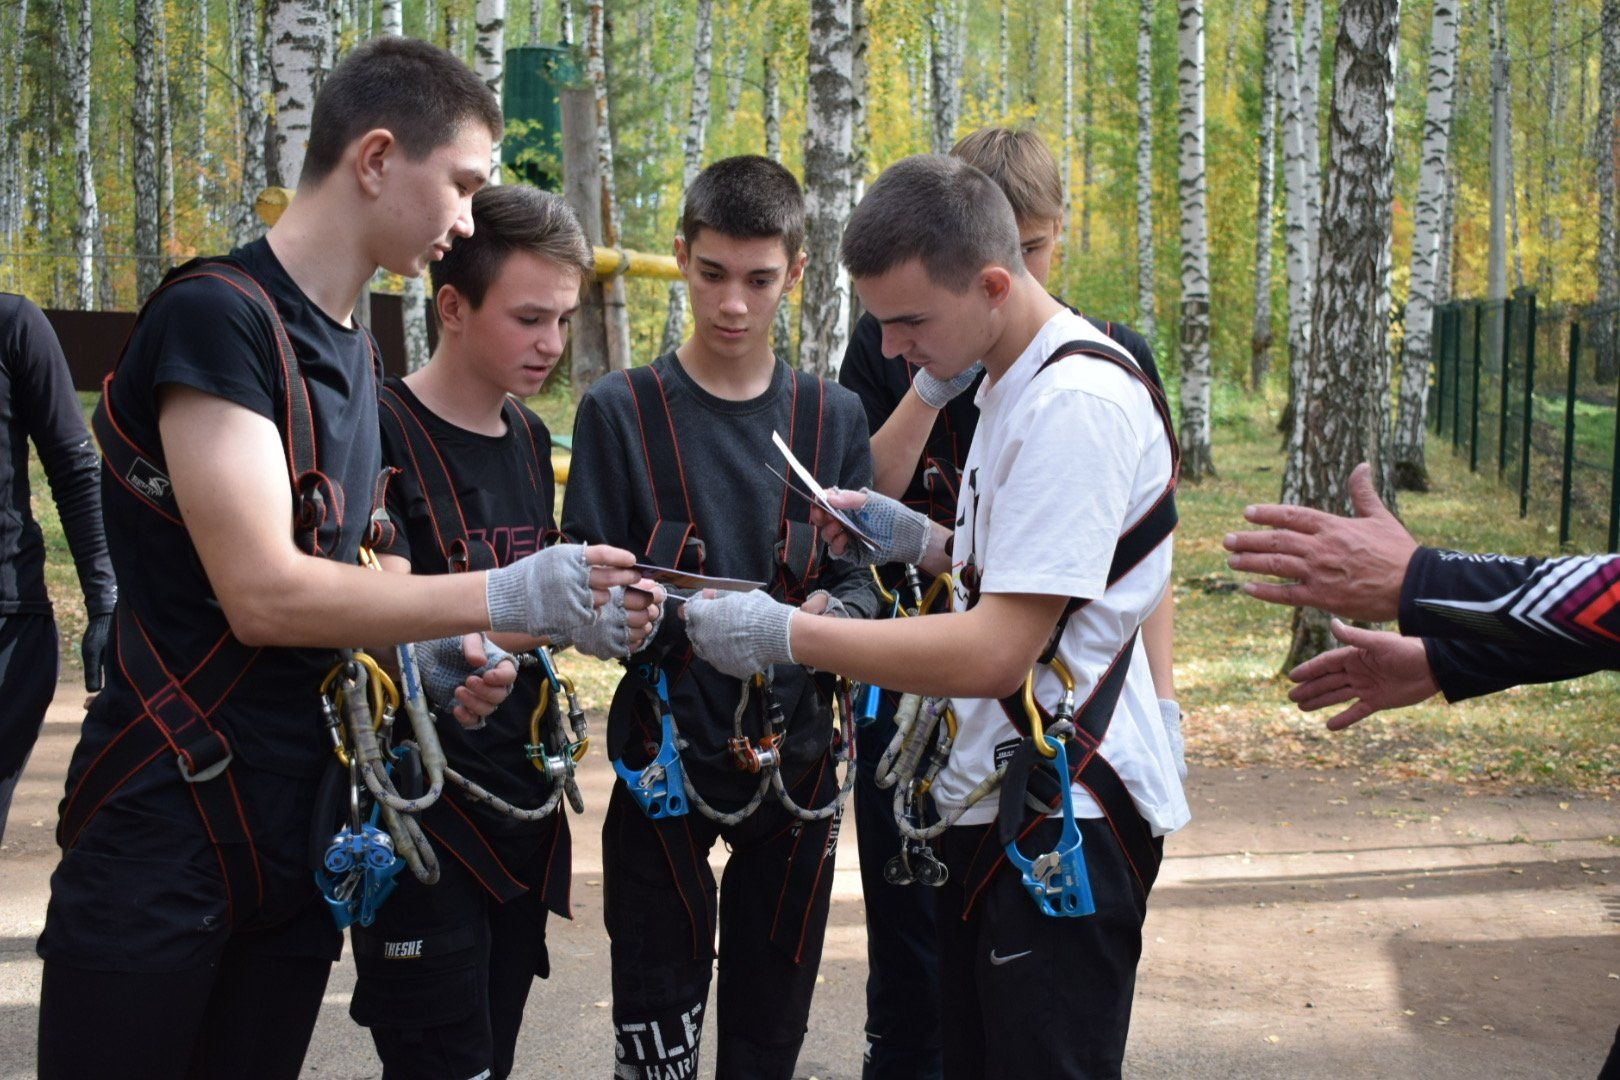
x=1026, y=994
x=1611, y=1067
x=446, y=969
x=902, y=964
x=138, y=937
x=28, y=662
x=773, y=902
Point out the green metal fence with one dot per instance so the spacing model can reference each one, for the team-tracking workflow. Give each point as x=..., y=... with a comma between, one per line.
x=1528, y=392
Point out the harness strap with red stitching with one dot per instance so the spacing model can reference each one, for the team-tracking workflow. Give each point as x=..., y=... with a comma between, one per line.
x=176, y=722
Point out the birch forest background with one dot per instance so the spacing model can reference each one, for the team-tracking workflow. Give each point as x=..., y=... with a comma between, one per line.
x=1277, y=192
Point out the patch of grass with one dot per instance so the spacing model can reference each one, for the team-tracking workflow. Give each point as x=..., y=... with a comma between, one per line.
x=1229, y=648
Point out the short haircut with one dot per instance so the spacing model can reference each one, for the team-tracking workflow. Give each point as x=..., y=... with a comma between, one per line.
x=936, y=209
x=1022, y=165
x=748, y=198
x=508, y=219
x=416, y=90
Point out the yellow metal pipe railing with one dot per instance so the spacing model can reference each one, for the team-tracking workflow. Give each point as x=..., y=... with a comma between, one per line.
x=610, y=262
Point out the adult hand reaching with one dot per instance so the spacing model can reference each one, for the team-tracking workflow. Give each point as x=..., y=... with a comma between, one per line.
x=1352, y=567
x=1376, y=670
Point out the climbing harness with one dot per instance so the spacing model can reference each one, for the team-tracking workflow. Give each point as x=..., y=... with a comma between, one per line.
x=180, y=700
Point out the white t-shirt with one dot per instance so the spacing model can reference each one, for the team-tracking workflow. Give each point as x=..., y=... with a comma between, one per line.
x=1060, y=466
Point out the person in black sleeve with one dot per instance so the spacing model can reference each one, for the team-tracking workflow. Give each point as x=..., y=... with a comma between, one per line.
x=37, y=403
x=1469, y=624
x=185, y=934
x=475, y=484
x=922, y=429
x=675, y=460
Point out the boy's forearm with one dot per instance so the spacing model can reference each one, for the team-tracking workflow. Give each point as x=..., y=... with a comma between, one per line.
x=983, y=653
x=898, y=445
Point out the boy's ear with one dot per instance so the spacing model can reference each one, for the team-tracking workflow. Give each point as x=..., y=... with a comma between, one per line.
x=996, y=283
x=682, y=255
x=452, y=308
x=372, y=152
x=795, y=272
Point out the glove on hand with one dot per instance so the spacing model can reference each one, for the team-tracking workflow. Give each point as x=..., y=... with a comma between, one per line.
x=835, y=607
x=542, y=595
x=608, y=636
x=443, y=666
x=937, y=393
x=900, y=533
x=93, y=650
x=1170, y=714
x=740, y=633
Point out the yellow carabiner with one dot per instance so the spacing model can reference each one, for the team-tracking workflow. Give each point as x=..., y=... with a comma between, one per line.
x=381, y=692
x=942, y=586
x=541, y=707
x=1036, y=728
x=884, y=594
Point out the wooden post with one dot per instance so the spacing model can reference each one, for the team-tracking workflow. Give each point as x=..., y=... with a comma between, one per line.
x=583, y=190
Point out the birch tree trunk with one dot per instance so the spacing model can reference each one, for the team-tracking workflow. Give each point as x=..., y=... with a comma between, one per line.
x=1346, y=404
x=253, y=120
x=148, y=264
x=829, y=186
x=1087, y=115
x=771, y=90
x=1266, y=185
x=1551, y=227
x=166, y=124
x=1197, y=461
x=565, y=21
x=87, y=225
x=1066, y=152
x=1310, y=111
x=199, y=146
x=1496, y=289
x=1298, y=256
x=613, y=300
x=943, y=64
x=1411, y=472
x=11, y=197
x=697, y=123
x=299, y=40
x=393, y=18
x=1005, y=66
x=1145, y=272
x=1606, y=339
x=489, y=59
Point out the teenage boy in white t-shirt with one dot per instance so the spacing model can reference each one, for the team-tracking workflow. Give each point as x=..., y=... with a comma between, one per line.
x=1059, y=529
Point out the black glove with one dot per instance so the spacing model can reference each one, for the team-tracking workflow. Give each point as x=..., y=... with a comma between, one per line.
x=93, y=650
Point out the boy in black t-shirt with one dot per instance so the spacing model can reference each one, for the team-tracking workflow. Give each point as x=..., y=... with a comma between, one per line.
x=475, y=485
x=185, y=934
x=921, y=430
x=674, y=459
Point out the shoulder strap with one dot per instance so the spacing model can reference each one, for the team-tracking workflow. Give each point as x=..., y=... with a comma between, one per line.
x=674, y=542
x=432, y=475
x=798, y=552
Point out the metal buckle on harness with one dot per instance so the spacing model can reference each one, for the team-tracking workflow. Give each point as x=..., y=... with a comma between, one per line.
x=1057, y=881
x=660, y=788
x=206, y=774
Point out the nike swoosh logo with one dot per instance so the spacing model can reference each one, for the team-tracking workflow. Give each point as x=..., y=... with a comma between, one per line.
x=999, y=960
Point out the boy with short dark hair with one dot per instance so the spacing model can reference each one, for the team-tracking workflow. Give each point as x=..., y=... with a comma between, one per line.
x=675, y=460
x=922, y=429
x=185, y=935
x=475, y=491
x=1054, y=575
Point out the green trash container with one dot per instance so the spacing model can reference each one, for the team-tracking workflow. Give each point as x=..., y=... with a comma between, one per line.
x=532, y=149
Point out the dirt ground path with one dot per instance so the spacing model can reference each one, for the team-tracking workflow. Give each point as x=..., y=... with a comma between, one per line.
x=1305, y=925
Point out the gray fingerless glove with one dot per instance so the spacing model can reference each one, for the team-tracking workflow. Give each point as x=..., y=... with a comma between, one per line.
x=900, y=533
x=545, y=595
x=835, y=607
x=607, y=637
x=1170, y=716
x=443, y=667
x=740, y=633
x=937, y=392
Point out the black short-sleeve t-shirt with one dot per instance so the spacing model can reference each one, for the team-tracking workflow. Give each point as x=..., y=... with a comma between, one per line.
x=505, y=489
x=207, y=334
